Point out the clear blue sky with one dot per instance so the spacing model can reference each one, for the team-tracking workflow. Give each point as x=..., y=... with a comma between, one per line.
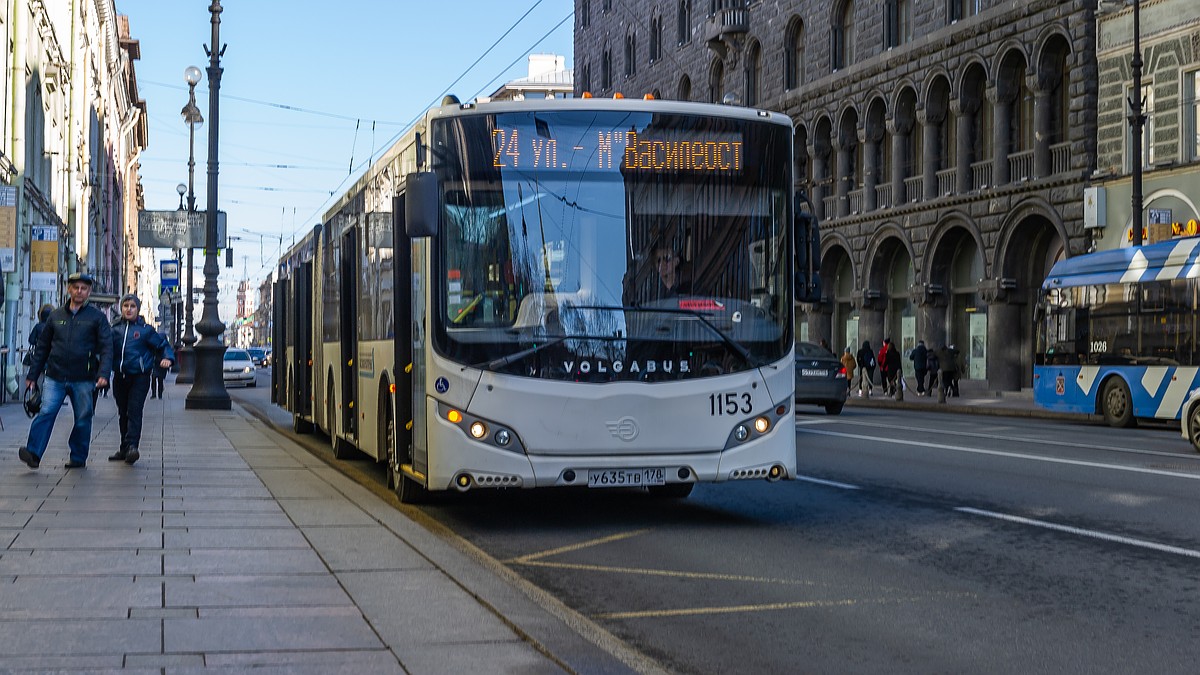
x=317, y=88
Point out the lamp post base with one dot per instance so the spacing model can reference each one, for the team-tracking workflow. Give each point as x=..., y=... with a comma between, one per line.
x=186, y=358
x=208, y=392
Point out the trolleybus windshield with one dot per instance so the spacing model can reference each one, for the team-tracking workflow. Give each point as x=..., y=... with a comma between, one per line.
x=609, y=245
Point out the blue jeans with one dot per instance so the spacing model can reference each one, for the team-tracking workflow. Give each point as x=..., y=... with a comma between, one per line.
x=53, y=395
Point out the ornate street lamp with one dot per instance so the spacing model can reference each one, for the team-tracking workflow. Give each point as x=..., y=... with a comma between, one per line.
x=194, y=120
x=208, y=391
x=1137, y=120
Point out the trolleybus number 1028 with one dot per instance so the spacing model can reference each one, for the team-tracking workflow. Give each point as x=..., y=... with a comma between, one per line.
x=729, y=403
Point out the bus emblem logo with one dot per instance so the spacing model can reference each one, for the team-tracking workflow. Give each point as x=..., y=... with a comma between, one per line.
x=442, y=385
x=624, y=429
x=1060, y=385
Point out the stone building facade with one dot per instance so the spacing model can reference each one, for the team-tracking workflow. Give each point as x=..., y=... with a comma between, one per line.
x=72, y=127
x=1170, y=46
x=945, y=145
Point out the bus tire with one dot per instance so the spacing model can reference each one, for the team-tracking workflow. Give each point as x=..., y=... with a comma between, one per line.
x=1117, y=405
x=834, y=408
x=1194, y=427
x=387, y=440
x=410, y=491
x=301, y=425
x=341, y=449
x=671, y=490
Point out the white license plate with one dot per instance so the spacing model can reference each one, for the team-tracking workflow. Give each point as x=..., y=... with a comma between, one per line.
x=626, y=477
x=812, y=372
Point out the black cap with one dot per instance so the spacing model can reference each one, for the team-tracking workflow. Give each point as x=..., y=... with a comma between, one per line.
x=78, y=276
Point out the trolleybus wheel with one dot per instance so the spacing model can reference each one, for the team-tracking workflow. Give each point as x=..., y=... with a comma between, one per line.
x=341, y=449
x=1117, y=405
x=834, y=408
x=1194, y=427
x=387, y=440
x=671, y=490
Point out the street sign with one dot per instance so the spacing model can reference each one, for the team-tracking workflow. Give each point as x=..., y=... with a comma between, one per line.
x=172, y=229
x=168, y=273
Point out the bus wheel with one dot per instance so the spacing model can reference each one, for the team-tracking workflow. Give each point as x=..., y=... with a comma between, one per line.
x=340, y=448
x=387, y=441
x=1194, y=427
x=410, y=491
x=1117, y=404
x=671, y=490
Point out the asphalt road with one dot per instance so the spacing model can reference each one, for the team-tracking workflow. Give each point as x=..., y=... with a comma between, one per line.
x=917, y=542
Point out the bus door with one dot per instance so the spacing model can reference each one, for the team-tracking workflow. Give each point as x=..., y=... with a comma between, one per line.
x=301, y=385
x=409, y=280
x=279, y=294
x=402, y=282
x=348, y=288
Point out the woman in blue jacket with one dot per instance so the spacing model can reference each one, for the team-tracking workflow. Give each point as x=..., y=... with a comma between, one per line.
x=137, y=349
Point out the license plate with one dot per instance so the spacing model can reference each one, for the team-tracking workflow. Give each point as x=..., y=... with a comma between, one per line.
x=626, y=477
x=813, y=372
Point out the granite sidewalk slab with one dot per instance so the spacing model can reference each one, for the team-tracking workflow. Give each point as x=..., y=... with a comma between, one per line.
x=229, y=547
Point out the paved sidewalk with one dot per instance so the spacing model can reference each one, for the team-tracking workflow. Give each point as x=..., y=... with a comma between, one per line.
x=975, y=399
x=228, y=546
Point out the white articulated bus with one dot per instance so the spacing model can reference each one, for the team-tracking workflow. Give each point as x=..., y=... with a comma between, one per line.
x=575, y=292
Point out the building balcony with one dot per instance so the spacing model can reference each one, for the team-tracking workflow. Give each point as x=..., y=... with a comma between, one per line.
x=883, y=196
x=1020, y=165
x=981, y=175
x=730, y=18
x=946, y=179
x=914, y=188
x=1060, y=157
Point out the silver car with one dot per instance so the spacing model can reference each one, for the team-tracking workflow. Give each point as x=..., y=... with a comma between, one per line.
x=239, y=368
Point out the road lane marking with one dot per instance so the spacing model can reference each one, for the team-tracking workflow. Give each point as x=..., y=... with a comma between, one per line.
x=774, y=606
x=1010, y=455
x=1082, y=532
x=829, y=483
x=675, y=574
x=576, y=547
x=1040, y=441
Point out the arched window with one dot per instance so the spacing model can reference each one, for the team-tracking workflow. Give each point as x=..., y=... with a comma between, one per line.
x=899, y=27
x=716, y=78
x=793, y=55
x=684, y=22
x=656, y=34
x=606, y=71
x=630, y=55
x=751, y=74
x=842, y=49
x=685, y=88
x=585, y=13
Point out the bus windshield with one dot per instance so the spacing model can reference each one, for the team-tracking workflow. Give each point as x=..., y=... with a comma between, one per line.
x=611, y=245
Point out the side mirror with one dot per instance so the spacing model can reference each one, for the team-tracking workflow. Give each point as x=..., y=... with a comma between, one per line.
x=808, y=254
x=421, y=204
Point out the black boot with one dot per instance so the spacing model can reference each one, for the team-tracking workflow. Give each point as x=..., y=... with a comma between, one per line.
x=119, y=454
x=133, y=455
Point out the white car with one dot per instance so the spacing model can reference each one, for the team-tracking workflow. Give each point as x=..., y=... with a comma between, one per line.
x=1189, y=418
x=239, y=368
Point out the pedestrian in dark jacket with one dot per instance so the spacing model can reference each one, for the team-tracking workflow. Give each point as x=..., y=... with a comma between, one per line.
x=920, y=359
x=36, y=331
x=75, y=351
x=895, y=366
x=158, y=377
x=947, y=357
x=137, y=350
x=866, y=369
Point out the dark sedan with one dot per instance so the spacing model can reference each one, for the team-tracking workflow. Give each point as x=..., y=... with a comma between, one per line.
x=820, y=378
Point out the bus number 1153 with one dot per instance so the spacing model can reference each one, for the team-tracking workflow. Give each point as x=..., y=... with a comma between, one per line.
x=729, y=403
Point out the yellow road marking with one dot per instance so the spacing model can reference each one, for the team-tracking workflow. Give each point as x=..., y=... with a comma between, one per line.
x=805, y=604
x=712, y=576
x=576, y=547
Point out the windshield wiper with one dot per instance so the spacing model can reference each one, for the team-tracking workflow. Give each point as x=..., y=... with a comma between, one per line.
x=495, y=364
x=734, y=346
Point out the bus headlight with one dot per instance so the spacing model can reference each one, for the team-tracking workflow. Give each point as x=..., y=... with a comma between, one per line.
x=741, y=433
x=485, y=431
x=761, y=424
